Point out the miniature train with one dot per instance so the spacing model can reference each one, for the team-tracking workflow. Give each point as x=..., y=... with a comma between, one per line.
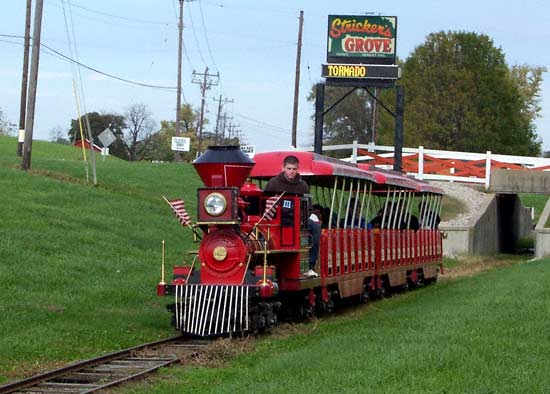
x=379, y=232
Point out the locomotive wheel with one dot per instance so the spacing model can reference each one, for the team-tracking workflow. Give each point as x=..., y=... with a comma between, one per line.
x=329, y=306
x=412, y=284
x=421, y=281
x=365, y=296
x=431, y=280
x=382, y=292
x=307, y=312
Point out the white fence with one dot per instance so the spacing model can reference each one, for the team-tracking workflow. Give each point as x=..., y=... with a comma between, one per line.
x=524, y=161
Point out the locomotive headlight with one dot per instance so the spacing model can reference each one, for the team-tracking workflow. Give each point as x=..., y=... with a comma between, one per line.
x=215, y=204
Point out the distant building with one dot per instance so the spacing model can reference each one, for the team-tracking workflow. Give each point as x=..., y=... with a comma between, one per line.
x=78, y=144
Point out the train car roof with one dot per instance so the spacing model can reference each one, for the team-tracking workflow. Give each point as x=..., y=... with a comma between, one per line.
x=426, y=187
x=319, y=170
x=396, y=178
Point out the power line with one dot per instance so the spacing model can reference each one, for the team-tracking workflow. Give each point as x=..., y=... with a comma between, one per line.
x=280, y=11
x=195, y=36
x=184, y=47
x=206, y=37
x=69, y=59
x=125, y=18
x=263, y=123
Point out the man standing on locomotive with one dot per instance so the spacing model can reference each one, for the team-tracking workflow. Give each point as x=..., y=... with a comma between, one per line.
x=290, y=181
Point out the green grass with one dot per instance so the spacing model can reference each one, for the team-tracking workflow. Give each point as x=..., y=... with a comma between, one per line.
x=79, y=264
x=451, y=207
x=483, y=334
x=536, y=201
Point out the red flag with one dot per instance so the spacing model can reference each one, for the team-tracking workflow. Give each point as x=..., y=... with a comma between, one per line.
x=270, y=207
x=178, y=206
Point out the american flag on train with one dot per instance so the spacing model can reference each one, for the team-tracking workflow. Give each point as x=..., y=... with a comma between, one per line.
x=178, y=206
x=270, y=208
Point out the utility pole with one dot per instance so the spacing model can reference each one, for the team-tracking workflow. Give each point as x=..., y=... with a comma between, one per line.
x=178, y=99
x=227, y=125
x=29, y=123
x=206, y=83
x=220, y=106
x=232, y=130
x=297, y=80
x=235, y=131
x=224, y=124
x=23, y=104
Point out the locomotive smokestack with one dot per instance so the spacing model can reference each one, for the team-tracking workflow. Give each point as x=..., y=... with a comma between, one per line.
x=223, y=166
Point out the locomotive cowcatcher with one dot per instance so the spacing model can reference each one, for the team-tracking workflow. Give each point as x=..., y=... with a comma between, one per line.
x=248, y=270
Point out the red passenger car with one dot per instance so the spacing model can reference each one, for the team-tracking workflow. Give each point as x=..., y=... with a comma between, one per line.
x=379, y=233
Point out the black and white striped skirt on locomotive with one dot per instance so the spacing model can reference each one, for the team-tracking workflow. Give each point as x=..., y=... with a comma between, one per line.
x=208, y=310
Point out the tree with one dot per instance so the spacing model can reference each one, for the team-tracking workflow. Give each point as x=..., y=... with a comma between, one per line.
x=351, y=119
x=98, y=123
x=161, y=142
x=136, y=137
x=6, y=127
x=461, y=95
x=57, y=136
x=529, y=80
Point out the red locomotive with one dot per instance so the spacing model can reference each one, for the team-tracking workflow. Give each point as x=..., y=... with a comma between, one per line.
x=379, y=232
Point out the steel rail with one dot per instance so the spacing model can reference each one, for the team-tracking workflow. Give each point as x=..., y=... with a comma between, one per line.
x=98, y=373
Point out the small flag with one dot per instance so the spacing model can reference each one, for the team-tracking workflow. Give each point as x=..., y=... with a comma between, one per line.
x=270, y=207
x=178, y=206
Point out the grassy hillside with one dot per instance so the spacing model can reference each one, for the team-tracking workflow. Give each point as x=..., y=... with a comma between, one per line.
x=482, y=334
x=79, y=264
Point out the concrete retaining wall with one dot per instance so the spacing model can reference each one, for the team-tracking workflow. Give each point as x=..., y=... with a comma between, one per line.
x=542, y=234
x=519, y=181
x=485, y=239
x=487, y=232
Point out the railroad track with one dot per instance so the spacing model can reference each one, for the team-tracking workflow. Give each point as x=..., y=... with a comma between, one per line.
x=108, y=370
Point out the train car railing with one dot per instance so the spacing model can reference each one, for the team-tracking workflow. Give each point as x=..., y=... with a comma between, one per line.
x=345, y=251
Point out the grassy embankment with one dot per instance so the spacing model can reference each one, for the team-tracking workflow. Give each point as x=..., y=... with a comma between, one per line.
x=78, y=266
x=487, y=333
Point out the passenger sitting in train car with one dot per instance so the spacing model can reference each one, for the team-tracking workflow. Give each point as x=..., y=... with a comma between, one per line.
x=411, y=223
x=427, y=217
x=376, y=222
x=290, y=181
x=317, y=211
x=323, y=213
x=351, y=222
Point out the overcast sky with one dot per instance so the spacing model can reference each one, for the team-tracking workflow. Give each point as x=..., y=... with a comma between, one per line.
x=252, y=44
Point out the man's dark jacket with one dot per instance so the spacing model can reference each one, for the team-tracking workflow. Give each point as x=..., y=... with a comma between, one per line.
x=280, y=184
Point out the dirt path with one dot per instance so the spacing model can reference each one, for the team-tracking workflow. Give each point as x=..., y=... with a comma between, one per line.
x=472, y=265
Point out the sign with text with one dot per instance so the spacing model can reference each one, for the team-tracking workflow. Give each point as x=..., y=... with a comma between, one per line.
x=250, y=150
x=361, y=39
x=181, y=144
x=362, y=71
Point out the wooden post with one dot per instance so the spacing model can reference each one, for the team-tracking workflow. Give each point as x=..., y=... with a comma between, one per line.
x=297, y=81
x=29, y=124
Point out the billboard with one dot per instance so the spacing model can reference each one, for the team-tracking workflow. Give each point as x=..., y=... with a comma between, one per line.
x=362, y=39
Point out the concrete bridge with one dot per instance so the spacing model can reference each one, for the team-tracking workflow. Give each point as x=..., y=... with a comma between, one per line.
x=502, y=220
x=511, y=182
